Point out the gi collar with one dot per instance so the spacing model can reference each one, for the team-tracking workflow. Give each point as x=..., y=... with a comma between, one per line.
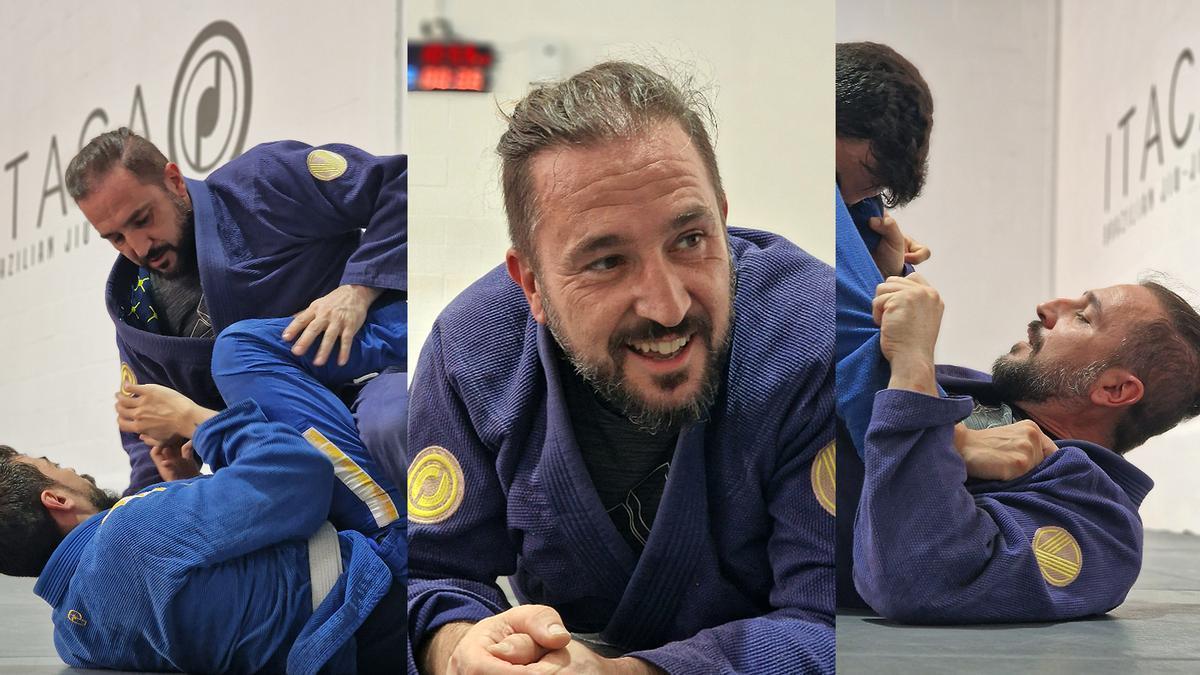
x=52, y=583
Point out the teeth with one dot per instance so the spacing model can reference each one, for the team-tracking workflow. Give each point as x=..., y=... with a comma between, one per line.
x=663, y=347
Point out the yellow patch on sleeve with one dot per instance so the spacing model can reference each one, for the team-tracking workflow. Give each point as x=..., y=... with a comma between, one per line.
x=824, y=478
x=435, y=486
x=127, y=378
x=1058, y=555
x=326, y=164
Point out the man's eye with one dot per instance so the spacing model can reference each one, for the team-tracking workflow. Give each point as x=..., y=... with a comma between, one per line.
x=1080, y=315
x=689, y=241
x=606, y=263
x=117, y=240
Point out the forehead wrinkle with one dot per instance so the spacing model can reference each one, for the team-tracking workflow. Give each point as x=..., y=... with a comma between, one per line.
x=621, y=198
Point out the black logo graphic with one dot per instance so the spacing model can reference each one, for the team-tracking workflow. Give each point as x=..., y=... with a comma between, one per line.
x=210, y=103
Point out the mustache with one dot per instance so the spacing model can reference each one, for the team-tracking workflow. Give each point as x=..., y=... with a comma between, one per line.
x=156, y=252
x=1035, y=335
x=647, y=329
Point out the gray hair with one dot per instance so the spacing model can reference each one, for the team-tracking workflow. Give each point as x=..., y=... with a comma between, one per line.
x=612, y=100
x=138, y=155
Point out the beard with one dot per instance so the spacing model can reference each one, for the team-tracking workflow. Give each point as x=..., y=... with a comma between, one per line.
x=1035, y=380
x=607, y=380
x=185, y=250
x=102, y=499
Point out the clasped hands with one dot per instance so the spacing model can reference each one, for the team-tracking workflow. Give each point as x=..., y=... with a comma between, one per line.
x=523, y=640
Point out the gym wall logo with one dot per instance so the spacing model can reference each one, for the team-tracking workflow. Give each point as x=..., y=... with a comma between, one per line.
x=1167, y=125
x=208, y=119
x=210, y=102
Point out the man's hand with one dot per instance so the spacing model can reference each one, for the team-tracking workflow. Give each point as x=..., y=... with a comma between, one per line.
x=1002, y=453
x=525, y=639
x=466, y=648
x=162, y=414
x=909, y=313
x=336, y=317
x=175, y=462
x=895, y=248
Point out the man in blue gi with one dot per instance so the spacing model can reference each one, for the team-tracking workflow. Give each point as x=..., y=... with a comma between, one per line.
x=944, y=534
x=632, y=419
x=283, y=230
x=234, y=572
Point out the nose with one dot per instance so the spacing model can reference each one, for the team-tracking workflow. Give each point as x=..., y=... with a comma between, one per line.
x=140, y=244
x=1050, y=310
x=662, y=295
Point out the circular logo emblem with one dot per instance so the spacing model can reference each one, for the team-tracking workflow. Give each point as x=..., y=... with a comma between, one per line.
x=435, y=486
x=1058, y=555
x=824, y=478
x=325, y=164
x=76, y=618
x=210, y=103
x=127, y=378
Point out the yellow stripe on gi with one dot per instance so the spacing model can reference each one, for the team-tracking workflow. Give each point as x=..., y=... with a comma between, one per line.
x=383, y=509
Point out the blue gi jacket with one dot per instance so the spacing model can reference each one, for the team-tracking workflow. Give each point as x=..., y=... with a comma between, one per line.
x=737, y=574
x=211, y=575
x=271, y=237
x=928, y=545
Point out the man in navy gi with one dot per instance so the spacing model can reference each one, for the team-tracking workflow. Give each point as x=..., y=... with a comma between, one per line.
x=631, y=419
x=285, y=229
x=943, y=533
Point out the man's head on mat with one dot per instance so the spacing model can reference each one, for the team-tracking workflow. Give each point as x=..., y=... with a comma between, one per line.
x=40, y=502
x=617, y=218
x=136, y=200
x=884, y=119
x=1124, y=360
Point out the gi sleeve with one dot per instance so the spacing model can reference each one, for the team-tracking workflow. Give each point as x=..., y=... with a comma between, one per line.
x=314, y=193
x=797, y=635
x=269, y=486
x=1062, y=542
x=456, y=552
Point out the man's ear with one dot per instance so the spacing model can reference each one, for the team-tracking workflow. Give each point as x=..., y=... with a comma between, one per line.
x=521, y=271
x=173, y=180
x=1117, y=388
x=724, y=209
x=61, y=505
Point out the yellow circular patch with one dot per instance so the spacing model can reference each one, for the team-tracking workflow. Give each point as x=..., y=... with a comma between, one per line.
x=1058, y=555
x=824, y=478
x=325, y=164
x=435, y=486
x=127, y=378
x=76, y=618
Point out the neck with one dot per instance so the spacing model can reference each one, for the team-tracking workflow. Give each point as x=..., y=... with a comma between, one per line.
x=1071, y=419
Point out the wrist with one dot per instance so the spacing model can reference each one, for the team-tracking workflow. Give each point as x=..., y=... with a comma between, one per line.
x=628, y=665
x=914, y=373
x=198, y=416
x=434, y=655
x=367, y=294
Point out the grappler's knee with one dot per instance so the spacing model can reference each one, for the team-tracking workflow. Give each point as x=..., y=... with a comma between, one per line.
x=245, y=343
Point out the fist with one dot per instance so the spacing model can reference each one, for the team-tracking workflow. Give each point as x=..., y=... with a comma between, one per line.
x=909, y=314
x=1003, y=453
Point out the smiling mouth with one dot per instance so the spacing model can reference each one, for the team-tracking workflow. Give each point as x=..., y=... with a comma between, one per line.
x=659, y=349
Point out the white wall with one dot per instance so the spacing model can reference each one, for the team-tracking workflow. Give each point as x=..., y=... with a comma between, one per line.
x=61, y=61
x=987, y=208
x=1113, y=54
x=771, y=69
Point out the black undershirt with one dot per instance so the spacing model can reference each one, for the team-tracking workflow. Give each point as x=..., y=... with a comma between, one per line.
x=628, y=466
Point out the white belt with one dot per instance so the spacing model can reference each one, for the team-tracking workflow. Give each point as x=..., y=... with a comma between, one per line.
x=324, y=562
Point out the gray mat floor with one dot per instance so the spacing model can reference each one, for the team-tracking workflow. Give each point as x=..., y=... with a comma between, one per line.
x=1155, y=631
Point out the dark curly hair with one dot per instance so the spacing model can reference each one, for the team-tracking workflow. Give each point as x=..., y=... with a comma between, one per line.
x=28, y=535
x=882, y=99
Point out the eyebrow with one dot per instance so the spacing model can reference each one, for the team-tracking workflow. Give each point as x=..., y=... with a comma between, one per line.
x=593, y=244
x=1094, y=302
